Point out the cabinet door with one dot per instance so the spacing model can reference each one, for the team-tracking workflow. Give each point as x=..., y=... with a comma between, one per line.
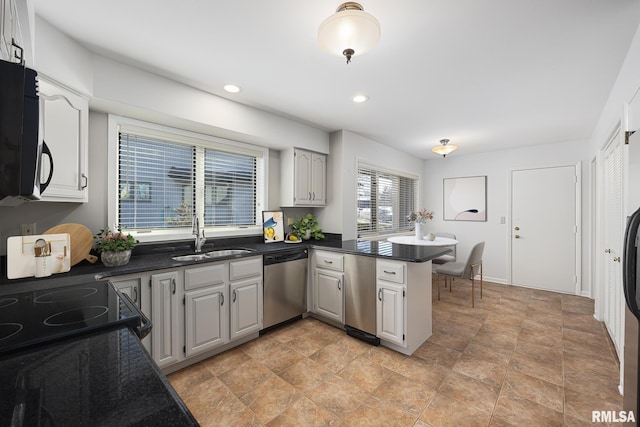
x=328, y=300
x=132, y=288
x=206, y=319
x=318, y=179
x=165, y=291
x=302, y=191
x=390, y=312
x=245, y=306
x=65, y=124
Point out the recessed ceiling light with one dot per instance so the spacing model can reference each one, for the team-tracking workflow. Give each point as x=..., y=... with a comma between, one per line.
x=360, y=98
x=232, y=88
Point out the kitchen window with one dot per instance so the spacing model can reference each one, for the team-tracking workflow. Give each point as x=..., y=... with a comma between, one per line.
x=385, y=199
x=164, y=176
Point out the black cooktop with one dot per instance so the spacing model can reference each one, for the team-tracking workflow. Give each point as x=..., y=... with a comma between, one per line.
x=36, y=317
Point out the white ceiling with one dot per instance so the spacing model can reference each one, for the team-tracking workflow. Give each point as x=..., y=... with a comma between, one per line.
x=487, y=74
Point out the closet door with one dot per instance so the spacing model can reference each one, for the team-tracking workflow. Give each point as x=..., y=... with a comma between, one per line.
x=613, y=298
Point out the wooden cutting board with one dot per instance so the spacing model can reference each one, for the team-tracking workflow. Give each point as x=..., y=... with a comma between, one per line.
x=81, y=241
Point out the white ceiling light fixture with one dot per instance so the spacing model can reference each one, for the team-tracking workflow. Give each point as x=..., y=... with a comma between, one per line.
x=231, y=88
x=349, y=31
x=444, y=148
x=360, y=99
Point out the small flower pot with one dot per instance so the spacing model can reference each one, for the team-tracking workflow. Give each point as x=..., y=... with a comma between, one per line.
x=115, y=259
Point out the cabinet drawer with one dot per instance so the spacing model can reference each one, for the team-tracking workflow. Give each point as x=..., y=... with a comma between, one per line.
x=205, y=276
x=390, y=271
x=330, y=261
x=245, y=268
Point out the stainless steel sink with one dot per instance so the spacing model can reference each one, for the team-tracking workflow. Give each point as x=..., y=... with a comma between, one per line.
x=227, y=252
x=192, y=257
x=212, y=254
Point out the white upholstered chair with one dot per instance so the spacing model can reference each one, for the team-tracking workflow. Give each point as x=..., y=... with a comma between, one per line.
x=463, y=269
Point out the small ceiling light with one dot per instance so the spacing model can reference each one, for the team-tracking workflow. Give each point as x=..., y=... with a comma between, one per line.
x=444, y=148
x=232, y=88
x=349, y=31
x=360, y=98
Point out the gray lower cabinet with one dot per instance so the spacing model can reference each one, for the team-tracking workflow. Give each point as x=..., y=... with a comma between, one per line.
x=328, y=285
x=166, y=292
x=196, y=311
x=206, y=308
x=246, y=307
x=132, y=285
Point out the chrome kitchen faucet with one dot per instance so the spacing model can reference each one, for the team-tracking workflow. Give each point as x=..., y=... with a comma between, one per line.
x=196, y=232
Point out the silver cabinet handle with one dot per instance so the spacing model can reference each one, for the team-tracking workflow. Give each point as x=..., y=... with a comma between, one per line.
x=135, y=294
x=173, y=282
x=221, y=299
x=86, y=181
x=234, y=296
x=389, y=272
x=380, y=294
x=310, y=196
x=326, y=261
x=314, y=195
x=339, y=283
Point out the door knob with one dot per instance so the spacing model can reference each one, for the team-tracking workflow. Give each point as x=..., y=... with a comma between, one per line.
x=607, y=251
x=616, y=259
x=517, y=228
x=517, y=236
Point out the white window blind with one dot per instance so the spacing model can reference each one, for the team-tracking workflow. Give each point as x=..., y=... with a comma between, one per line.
x=165, y=179
x=385, y=199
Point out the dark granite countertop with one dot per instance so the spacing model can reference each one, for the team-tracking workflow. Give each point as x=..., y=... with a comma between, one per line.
x=104, y=378
x=158, y=257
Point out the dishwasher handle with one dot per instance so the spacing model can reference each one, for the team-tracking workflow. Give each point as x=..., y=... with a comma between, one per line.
x=284, y=257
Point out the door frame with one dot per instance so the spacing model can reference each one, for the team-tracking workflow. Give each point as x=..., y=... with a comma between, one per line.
x=578, y=218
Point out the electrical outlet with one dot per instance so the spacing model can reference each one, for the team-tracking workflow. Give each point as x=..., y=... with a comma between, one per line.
x=289, y=221
x=28, y=229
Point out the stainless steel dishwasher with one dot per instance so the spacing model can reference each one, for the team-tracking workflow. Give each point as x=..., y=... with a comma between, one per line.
x=285, y=286
x=360, y=297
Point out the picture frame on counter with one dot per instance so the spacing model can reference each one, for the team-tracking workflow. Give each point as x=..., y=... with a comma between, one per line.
x=273, y=226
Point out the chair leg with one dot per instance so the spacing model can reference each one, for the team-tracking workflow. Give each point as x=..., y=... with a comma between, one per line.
x=438, y=286
x=473, y=292
x=480, y=280
x=450, y=284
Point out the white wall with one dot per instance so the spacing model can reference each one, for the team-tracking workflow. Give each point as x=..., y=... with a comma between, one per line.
x=496, y=166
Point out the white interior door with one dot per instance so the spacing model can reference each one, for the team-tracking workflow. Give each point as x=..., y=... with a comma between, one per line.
x=544, y=228
x=613, y=302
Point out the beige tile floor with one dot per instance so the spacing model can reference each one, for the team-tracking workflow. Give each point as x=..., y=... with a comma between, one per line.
x=520, y=357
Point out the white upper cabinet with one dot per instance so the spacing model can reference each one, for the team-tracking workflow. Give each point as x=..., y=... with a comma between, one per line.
x=9, y=30
x=65, y=130
x=303, y=178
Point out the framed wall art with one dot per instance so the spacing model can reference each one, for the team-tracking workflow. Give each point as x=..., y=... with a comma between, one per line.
x=273, y=226
x=465, y=199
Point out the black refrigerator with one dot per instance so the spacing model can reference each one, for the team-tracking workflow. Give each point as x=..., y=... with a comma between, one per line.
x=632, y=313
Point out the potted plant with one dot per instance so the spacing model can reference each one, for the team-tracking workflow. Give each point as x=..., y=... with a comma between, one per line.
x=307, y=227
x=114, y=246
